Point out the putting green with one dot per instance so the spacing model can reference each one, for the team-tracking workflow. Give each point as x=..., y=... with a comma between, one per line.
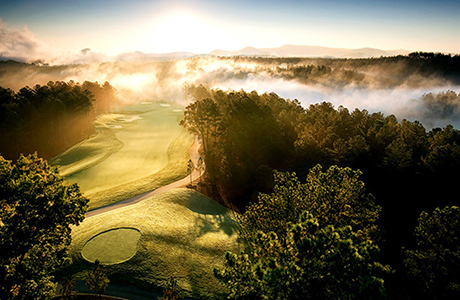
x=184, y=234
x=113, y=246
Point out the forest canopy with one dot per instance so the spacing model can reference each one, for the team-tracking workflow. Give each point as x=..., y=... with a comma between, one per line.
x=52, y=117
x=254, y=142
x=246, y=135
x=37, y=210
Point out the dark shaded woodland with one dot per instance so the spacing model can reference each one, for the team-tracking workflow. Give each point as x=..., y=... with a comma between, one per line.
x=50, y=118
x=407, y=168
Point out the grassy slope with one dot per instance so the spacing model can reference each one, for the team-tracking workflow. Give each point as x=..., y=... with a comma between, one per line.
x=183, y=234
x=134, y=152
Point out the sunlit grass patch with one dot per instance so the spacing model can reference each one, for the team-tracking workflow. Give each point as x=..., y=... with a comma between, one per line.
x=135, y=151
x=175, y=169
x=89, y=152
x=183, y=234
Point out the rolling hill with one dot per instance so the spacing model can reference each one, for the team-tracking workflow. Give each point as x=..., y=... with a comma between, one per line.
x=310, y=51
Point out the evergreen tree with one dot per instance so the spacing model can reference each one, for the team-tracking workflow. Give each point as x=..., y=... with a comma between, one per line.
x=37, y=211
x=171, y=291
x=96, y=279
x=436, y=260
x=335, y=197
x=311, y=262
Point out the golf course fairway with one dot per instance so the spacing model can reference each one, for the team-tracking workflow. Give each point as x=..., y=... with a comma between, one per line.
x=134, y=151
x=178, y=232
x=183, y=234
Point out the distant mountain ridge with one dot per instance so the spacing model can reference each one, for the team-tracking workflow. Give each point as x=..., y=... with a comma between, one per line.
x=139, y=56
x=86, y=55
x=283, y=51
x=310, y=51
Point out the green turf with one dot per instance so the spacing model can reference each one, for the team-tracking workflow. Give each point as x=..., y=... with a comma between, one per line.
x=92, y=151
x=135, y=151
x=180, y=233
x=183, y=234
x=113, y=246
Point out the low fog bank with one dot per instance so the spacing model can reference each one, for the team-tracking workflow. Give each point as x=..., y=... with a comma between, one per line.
x=386, y=87
x=405, y=103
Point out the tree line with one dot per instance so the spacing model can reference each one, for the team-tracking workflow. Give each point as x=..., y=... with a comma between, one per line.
x=414, y=70
x=52, y=117
x=246, y=136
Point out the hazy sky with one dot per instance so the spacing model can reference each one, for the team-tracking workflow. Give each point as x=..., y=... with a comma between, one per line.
x=205, y=25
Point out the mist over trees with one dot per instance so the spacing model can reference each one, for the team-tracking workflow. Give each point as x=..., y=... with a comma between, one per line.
x=243, y=133
x=50, y=118
x=246, y=135
x=392, y=85
x=418, y=69
x=163, y=79
x=440, y=106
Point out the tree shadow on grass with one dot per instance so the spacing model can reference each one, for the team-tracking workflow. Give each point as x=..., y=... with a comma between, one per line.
x=212, y=216
x=201, y=204
x=216, y=223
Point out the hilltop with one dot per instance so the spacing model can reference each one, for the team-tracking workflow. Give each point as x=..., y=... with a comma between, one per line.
x=311, y=51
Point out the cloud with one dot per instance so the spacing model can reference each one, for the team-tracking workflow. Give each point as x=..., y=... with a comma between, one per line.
x=84, y=56
x=19, y=44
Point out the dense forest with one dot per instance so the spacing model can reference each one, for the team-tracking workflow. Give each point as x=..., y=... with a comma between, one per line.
x=50, y=118
x=246, y=136
x=418, y=69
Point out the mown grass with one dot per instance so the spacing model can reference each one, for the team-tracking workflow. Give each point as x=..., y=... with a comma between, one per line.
x=113, y=246
x=92, y=151
x=184, y=234
x=135, y=151
x=180, y=233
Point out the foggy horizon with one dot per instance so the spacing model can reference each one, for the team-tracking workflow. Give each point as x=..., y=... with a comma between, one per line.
x=65, y=31
x=119, y=33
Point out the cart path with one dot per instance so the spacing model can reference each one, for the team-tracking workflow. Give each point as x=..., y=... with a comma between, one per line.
x=194, y=155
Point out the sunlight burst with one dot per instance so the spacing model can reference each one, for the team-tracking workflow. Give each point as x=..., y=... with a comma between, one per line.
x=181, y=31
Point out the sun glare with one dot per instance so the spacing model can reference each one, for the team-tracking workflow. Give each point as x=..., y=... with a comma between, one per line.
x=180, y=31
